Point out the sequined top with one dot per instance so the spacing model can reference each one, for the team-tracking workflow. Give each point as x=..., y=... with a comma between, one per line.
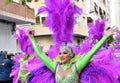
x=69, y=78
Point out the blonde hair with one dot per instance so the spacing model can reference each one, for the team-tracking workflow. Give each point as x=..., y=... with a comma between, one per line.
x=68, y=48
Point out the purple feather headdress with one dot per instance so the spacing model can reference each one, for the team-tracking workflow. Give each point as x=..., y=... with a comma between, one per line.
x=60, y=19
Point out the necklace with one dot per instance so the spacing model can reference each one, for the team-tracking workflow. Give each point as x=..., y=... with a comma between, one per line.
x=66, y=66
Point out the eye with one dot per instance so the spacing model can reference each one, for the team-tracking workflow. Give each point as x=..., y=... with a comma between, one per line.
x=59, y=53
x=65, y=53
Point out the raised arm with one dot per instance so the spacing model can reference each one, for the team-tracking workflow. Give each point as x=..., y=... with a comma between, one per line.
x=82, y=63
x=48, y=62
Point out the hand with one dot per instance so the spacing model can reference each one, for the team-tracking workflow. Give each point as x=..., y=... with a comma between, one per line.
x=111, y=31
x=31, y=32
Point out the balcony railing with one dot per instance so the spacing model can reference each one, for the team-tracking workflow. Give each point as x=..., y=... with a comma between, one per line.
x=16, y=11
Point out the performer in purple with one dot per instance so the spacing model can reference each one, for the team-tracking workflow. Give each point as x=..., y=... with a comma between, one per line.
x=67, y=67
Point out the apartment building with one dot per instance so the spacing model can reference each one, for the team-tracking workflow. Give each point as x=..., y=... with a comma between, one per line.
x=115, y=12
x=98, y=9
x=11, y=15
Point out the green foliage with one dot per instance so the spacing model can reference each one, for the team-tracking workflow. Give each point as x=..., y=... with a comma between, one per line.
x=23, y=1
x=8, y=1
x=37, y=15
x=29, y=0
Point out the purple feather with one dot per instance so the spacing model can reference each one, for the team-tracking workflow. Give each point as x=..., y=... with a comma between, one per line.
x=75, y=49
x=60, y=19
x=42, y=75
x=103, y=68
x=14, y=72
x=23, y=40
x=53, y=52
x=96, y=31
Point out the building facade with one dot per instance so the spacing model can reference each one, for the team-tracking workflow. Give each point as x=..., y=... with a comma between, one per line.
x=11, y=15
x=98, y=9
x=115, y=13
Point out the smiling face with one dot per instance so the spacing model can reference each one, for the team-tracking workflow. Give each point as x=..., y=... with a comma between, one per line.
x=64, y=56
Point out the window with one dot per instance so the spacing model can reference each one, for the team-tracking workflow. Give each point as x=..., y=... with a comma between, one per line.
x=77, y=20
x=38, y=20
x=84, y=20
x=104, y=13
x=100, y=13
x=78, y=42
x=96, y=8
x=89, y=20
x=43, y=19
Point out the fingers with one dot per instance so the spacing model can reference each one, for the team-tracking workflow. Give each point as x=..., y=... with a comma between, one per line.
x=31, y=32
x=111, y=31
x=114, y=28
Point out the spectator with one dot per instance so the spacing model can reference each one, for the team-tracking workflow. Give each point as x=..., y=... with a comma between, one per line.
x=10, y=56
x=5, y=68
x=1, y=53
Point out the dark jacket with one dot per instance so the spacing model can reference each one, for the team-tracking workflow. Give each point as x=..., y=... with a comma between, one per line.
x=5, y=69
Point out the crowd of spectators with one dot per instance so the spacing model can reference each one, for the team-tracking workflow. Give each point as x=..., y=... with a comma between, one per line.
x=6, y=64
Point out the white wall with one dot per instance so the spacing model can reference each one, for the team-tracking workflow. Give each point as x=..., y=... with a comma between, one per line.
x=112, y=12
x=7, y=41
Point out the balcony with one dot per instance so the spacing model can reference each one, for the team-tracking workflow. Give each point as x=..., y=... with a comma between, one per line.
x=16, y=13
